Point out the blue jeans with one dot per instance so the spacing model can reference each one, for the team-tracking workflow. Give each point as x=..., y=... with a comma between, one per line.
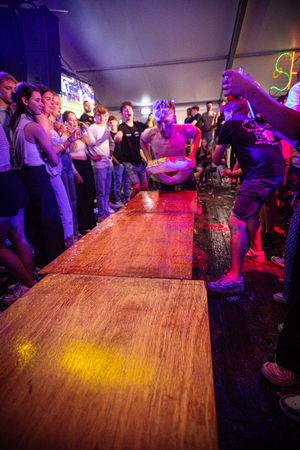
x=136, y=173
x=103, y=183
x=119, y=177
x=67, y=177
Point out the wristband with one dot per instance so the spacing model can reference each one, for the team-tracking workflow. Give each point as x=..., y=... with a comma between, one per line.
x=253, y=92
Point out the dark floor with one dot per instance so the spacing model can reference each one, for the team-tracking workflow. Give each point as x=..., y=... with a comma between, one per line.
x=243, y=334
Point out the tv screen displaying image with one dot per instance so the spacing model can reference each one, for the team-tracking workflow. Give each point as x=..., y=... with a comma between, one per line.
x=74, y=92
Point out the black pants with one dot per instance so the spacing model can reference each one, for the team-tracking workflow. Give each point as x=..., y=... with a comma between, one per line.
x=85, y=193
x=42, y=216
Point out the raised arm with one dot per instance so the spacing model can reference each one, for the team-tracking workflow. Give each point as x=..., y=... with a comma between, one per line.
x=144, y=142
x=218, y=153
x=283, y=119
x=88, y=135
x=195, y=134
x=43, y=121
x=111, y=145
x=119, y=137
x=39, y=134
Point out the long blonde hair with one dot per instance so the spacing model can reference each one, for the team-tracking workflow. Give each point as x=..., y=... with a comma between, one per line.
x=73, y=146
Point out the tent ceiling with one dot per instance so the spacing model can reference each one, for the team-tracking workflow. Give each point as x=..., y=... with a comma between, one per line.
x=130, y=49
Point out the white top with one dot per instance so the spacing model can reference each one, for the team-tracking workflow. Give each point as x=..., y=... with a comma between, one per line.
x=104, y=144
x=4, y=149
x=25, y=152
x=293, y=100
x=33, y=155
x=78, y=149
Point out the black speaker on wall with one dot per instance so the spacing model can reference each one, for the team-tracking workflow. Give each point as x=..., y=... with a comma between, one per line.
x=12, y=51
x=42, y=47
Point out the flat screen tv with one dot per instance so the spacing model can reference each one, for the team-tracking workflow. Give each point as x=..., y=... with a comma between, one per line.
x=74, y=92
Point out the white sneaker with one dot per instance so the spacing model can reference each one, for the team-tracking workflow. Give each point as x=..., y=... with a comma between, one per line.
x=290, y=405
x=11, y=298
x=278, y=261
x=279, y=297
x=256, y=257
x=113, y=206
x=111, y=211
x=227, y=284
x=280, y=326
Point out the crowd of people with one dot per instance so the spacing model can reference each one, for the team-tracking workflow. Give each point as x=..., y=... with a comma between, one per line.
x=53, y=167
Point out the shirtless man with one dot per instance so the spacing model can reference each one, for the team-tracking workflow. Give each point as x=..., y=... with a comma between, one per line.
x=169, y=139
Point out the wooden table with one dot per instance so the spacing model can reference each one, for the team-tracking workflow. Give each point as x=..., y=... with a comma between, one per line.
x=107, y=363
x=162, y=202
x=133, y=245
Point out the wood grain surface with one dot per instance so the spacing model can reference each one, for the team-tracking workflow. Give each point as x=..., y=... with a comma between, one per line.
x=107, y=363
x=162, y=202
x=137, y=245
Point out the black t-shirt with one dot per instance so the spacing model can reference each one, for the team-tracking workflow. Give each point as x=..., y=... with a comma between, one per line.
x=117, y=150
x=87, y=118
x=258, y=154
x=130, y=145
x=199, y=119
x=203, y=158
x=220, y=123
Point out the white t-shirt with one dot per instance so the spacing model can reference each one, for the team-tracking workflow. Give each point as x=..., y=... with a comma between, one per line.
x=293, y=100
x=104, y=144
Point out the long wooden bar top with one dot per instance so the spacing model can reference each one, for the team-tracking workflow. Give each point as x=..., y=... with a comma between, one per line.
x=107, y=363
x=133, y=245
x=162, y=202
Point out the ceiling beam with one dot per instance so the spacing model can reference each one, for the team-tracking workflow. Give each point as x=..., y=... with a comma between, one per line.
x=240, y=15
x=185, y=61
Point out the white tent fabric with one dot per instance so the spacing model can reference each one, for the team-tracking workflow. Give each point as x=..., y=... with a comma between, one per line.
x=142, y=51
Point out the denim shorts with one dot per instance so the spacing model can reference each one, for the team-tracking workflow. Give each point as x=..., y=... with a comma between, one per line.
x=136, y=173
x=252, y=195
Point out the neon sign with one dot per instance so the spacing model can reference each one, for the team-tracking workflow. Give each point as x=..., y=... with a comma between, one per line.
x=279, y=71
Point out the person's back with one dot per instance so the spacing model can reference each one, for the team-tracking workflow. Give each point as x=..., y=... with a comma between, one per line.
x=258, y=153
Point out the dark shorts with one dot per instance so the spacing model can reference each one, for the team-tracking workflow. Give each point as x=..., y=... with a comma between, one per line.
x=189, y=184
x=14, y=195
x=136, y=173
x=252, y=195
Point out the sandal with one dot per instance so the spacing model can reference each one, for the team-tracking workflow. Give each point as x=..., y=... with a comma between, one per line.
x=278, y=375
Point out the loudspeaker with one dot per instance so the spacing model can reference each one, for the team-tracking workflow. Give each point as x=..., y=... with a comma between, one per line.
x=12, y=51
x=42, y=47
x=44, y=68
